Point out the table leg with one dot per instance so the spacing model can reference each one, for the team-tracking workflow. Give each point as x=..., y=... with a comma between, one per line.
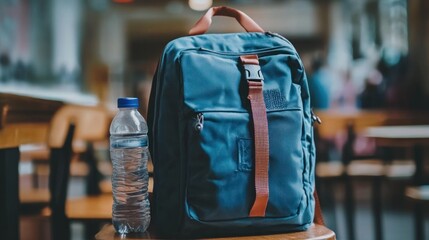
x=349, y=207
x=377, y=203
x=419, y=180
x=94, y=176
x=9, y=192
x=419, y=221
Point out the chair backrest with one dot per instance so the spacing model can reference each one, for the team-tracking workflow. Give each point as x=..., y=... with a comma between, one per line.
x=91, y=124
x=340, y=127
x=337, y=121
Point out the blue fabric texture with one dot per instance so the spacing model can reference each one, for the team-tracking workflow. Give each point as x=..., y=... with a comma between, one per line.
x=201, y=138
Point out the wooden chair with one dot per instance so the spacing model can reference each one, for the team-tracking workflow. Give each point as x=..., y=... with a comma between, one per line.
x=328, y=172
x=69, y=124
x=352, y=166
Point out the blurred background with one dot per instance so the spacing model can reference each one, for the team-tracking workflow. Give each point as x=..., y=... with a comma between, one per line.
x=358, y=55
x=372, y=51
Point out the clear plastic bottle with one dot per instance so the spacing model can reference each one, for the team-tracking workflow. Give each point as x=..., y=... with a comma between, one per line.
x=129, y=154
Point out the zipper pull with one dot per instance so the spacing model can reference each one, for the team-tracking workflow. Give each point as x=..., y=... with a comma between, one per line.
x=199, y=122
x=315, y=118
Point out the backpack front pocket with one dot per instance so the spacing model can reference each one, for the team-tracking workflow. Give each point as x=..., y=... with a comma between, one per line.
x=220, y=164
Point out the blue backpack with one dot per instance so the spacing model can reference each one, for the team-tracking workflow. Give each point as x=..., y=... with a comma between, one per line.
x=231, y=135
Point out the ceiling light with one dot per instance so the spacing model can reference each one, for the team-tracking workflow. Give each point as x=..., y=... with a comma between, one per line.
x=200, y=5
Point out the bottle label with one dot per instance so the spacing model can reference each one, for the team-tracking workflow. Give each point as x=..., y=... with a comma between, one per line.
x=129, y=142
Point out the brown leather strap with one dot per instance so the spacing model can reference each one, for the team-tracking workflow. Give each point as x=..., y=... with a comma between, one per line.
x=205, y=21
x=318, y=217
x=260, y=124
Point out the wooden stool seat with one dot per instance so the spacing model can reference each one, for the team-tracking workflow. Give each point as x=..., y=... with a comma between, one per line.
x=401, y=169
x=34, y=196
x=366, y=168
x=315, y=232
x=329, y=169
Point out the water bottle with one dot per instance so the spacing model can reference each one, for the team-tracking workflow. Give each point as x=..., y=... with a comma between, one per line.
x=129, y=154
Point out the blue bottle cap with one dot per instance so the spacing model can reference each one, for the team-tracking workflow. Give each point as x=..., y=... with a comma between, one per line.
x=128, y=102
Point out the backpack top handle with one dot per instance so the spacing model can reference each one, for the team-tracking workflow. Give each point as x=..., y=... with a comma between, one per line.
x=243, y=19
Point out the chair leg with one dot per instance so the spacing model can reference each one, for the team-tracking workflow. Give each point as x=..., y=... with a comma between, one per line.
x=419, y=221
x=35, y=179
x=9, y=193
x=94, y=176
x=328, y=200
x=377, y=207
x=350, y=207
x=59, y=164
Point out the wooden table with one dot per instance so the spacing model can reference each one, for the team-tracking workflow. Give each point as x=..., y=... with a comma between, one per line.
x=315, y=232
x=22, y=120
x=416, y=136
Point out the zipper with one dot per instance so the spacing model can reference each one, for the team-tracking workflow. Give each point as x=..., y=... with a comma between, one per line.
x=198, y=116
x=273, y=34
x=199, y=123
x=200, y=112
x=260, y=52
x=315, y=118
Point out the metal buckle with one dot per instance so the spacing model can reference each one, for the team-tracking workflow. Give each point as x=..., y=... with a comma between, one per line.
x=253, y=72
